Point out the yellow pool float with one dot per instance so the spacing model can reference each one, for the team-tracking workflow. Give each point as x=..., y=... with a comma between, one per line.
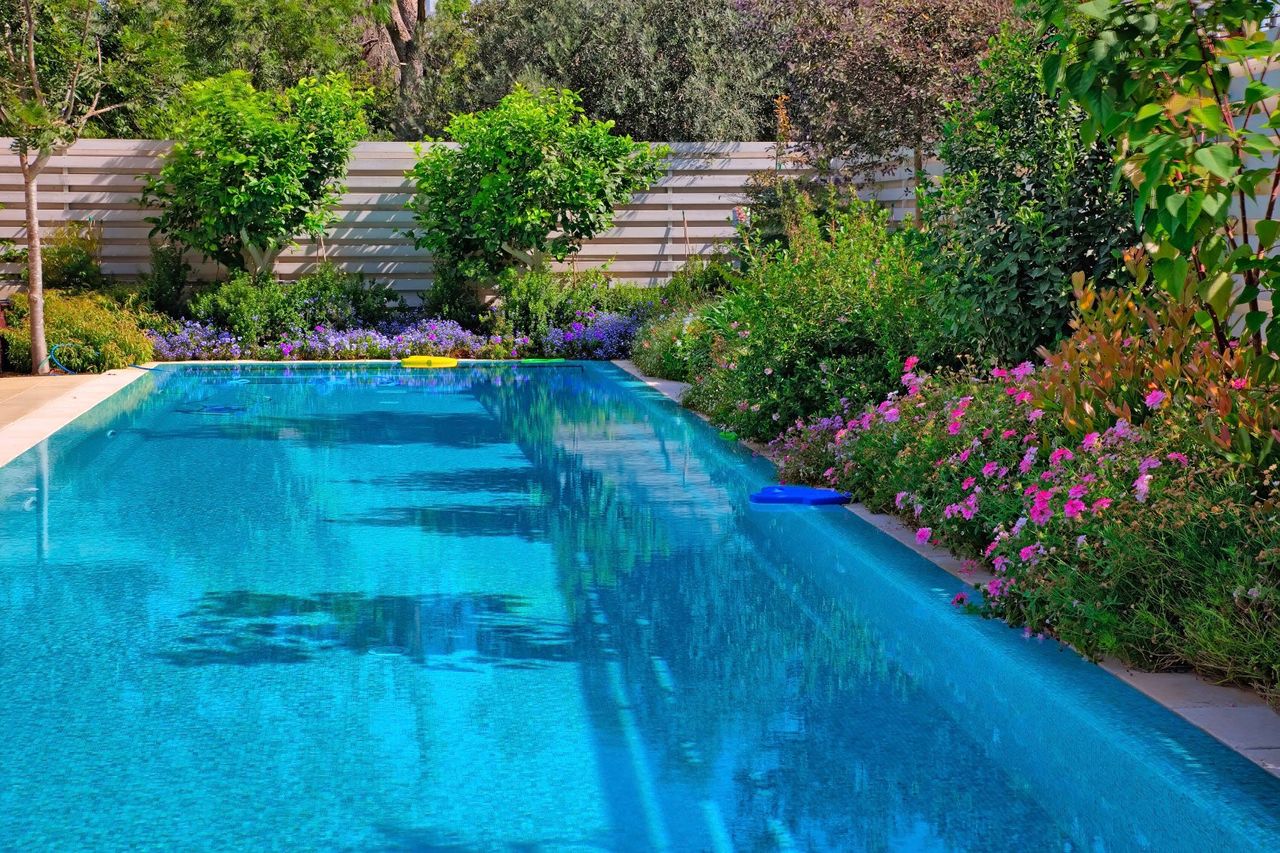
x=428, y=361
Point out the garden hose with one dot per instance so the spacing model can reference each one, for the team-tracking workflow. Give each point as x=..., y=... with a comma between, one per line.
x=53, y=357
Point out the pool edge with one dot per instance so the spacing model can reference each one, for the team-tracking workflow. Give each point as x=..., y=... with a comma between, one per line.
x=49, y=416
x=1237, y=718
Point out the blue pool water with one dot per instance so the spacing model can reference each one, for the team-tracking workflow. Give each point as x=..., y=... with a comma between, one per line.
x=525, y=608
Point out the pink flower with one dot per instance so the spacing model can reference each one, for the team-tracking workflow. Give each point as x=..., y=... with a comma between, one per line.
x=953, y=428
x=1142, y=487
x=1077, y=491
x=990, y=468
x=1154, y=399
x=968, y=483
x=1022, y=397
x=1239, y=383
x=910, y=364
x=1099, y=505
x=1022, y=371
x=1028, y=459
x=1148, y=464
x=900, y=499
x=1028, y=553
x=996, y=587
x=1180, y=458
x=1091, y=441
x=890, y=415
x=1041, y=513
x=999, y=373
x=1000, y=563
x=960, y=599
x=1060, y=455
x=1073, y=508
x=923, y=534
x=768, y=371
x=1008, y=434
x=1035, y=414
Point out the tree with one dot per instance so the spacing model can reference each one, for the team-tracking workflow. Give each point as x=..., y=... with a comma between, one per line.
x=60, y=70
x=424, y=52
x=869, y=78
x=1023, y=203
x=251, y=170
x=533, y=176
x=1178, y=90
x=660, y=69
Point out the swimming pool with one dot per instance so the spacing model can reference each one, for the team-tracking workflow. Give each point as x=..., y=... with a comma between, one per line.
x=499, y=607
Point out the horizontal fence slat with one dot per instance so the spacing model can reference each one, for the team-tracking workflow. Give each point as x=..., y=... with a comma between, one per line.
x=688, y=212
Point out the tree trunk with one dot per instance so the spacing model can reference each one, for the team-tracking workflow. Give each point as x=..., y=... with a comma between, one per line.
x=35, y=263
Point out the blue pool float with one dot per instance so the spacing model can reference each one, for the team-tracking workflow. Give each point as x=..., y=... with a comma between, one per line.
x=804, y=495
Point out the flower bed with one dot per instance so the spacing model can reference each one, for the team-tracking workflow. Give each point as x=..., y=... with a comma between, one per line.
x=1140, y=541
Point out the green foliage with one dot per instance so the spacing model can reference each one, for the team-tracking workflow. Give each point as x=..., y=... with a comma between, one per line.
x=166, y=285
x=530, y=177
x=1199, y=144
x=661, y=347
x=661, y=69
x=251, y=170
x=1125, y=347
x=1135, y=542
x=92, y=333
x=1022, y=205
x=830, y=318
x=266, y=309
x=71, y=257
x=531, y=302
x=277, y=42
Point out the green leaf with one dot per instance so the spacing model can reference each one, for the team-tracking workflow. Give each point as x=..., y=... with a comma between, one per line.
x=1267, y=230
x=1097, y=9
x=1219, y=159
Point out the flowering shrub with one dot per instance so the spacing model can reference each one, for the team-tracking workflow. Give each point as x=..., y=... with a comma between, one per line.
x=830, y=317
x=1126, y=540
x=603, y=335
x=197, y=341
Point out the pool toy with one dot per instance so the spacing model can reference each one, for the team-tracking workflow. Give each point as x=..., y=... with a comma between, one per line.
x=804, y=495
x=542, y=361
x=428, y=361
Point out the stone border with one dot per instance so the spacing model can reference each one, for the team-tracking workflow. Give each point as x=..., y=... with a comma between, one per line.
x=1238, y=718
x=26, y=431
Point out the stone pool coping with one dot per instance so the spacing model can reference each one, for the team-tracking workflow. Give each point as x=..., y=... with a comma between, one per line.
x=1237, y=717
x=33, y=408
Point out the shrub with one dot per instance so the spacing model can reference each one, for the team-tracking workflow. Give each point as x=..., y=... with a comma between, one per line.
x=200, y=341
x=532, y=177
x=534, y=302
x=330, y=297
x=1132, y=540
x=1023, y=203
x=251, y=170
x=70, y=257
x=251, y=309
x=91, y=333
x=661, y=346
x=166, y=285
x=596, y=335
x=266, y=309
x=827, y=320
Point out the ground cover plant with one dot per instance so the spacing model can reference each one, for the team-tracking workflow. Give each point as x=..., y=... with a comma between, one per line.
x=1097, y=487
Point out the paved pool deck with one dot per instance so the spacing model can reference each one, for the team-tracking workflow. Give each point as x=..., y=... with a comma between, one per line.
x=1237, y=717
x=33, y=408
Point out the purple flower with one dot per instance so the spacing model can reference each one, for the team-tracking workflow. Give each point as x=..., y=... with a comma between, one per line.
x=923, y=534
x=1154, y=399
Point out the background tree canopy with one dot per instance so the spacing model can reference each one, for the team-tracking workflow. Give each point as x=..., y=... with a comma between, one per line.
x=865, y=79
